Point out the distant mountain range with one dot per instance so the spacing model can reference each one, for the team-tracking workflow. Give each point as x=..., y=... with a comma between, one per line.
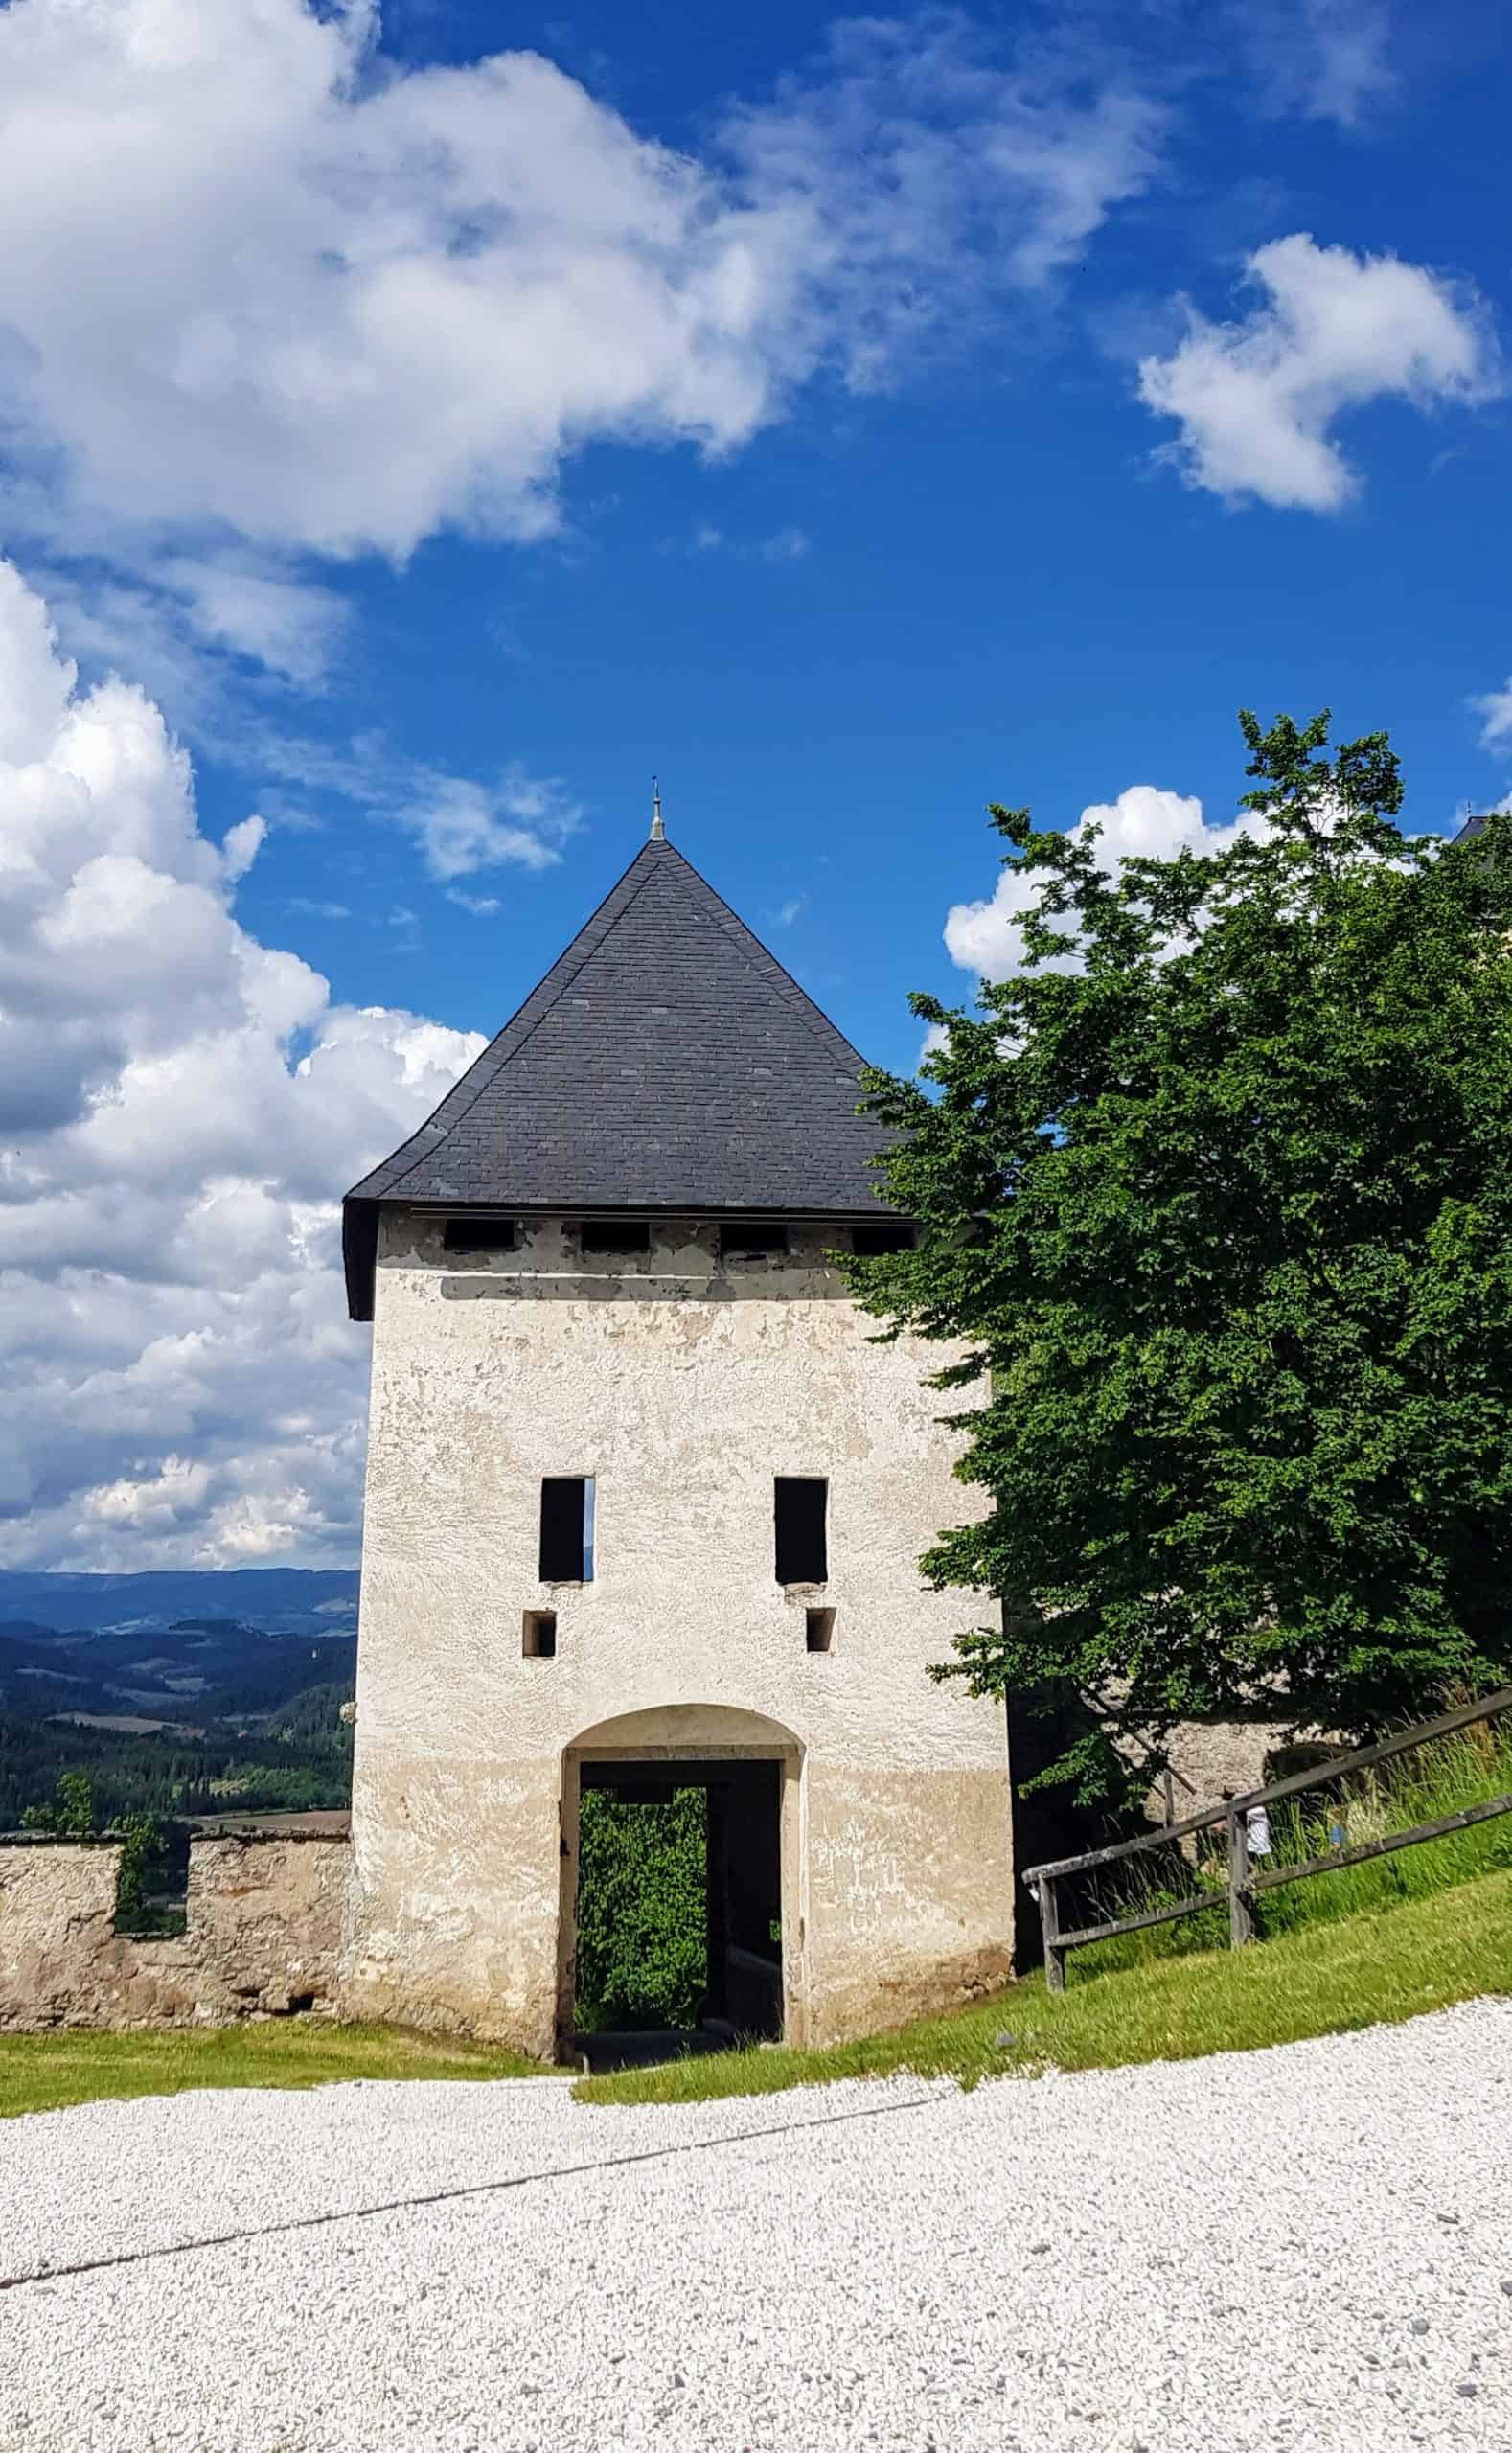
x=280, y=1602
x=190, y=1650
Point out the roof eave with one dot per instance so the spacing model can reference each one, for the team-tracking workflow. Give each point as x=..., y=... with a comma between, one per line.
x=360, y=1222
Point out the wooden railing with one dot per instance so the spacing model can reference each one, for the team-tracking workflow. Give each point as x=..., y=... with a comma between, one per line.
x=1245, y=1880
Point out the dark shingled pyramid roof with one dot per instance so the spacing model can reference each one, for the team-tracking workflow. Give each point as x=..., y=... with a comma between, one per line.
x=666, y=1061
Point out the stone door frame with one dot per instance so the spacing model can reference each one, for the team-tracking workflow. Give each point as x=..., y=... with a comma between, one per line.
x=653, y=1739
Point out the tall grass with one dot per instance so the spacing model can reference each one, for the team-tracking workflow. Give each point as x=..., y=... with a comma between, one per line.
x=1432, y=1782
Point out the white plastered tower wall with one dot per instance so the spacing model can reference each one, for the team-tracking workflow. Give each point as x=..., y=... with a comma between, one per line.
x=683, y=1386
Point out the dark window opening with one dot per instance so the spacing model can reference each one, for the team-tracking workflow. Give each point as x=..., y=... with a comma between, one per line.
x=819, y=1626
x=566, y=1530
x=540, y=1635
x=480, y=1234
x=753, y=1241
x=870, y=1237
x=616, y=1235
x=152, y=1881
x=802, y=1549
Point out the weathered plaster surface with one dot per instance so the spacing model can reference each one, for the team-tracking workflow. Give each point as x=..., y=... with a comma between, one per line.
x=265, y=1930
x=684, y=1387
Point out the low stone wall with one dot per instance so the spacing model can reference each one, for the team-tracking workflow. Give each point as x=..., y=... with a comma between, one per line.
x=265, y=1924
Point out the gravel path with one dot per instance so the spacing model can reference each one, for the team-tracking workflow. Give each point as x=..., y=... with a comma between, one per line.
x=1307, y=2248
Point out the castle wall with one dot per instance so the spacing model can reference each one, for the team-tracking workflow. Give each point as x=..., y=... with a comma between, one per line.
x=264, y=1934
x=682, y=1386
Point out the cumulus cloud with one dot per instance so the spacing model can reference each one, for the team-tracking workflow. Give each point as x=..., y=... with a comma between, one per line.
x=266, y=294
x=180, y=1107
x=1143, y=823
x=1495, y=710
x=1255, y=399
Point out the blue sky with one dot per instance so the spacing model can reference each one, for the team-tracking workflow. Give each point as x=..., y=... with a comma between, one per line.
x=855, y=420
x=1000, y=593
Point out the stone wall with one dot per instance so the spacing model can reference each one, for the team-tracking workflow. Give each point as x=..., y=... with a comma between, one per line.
x=1215, y=1759
x=264, y=1931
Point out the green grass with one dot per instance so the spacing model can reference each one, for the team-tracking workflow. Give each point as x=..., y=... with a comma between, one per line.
x=1326, y=1977
x=1420, y=1787
x=69, y=2065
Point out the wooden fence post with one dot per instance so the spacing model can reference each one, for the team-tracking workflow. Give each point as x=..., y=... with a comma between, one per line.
x=1050, y=1922
x=1240, y=1912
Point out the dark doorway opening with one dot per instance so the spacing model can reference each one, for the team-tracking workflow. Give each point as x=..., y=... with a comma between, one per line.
x=675, y=1955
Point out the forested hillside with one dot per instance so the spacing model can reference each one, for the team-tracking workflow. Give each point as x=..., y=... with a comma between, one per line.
x=198, y=1716
x=300, y=1759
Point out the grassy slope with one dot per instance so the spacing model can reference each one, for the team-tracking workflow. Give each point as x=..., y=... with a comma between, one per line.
x=1317, y=1981
x=1380, y=1965
x=39, y=2073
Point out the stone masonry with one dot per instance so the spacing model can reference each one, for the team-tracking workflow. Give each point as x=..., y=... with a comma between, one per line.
x=264, y=1934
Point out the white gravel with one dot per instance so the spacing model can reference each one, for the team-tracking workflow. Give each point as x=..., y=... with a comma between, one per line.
x=1307, y=2248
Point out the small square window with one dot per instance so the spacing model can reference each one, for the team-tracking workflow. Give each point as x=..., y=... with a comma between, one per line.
x=479, y=1232
x=754, y=1239
x=871, y=1237
x=615, y=1236
x=818, y=1628
x=540, y=1635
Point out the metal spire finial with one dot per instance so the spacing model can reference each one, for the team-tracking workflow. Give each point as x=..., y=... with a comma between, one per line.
x=658, y=832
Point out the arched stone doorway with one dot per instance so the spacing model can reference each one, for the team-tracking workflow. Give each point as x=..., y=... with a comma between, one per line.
x=751, y=1769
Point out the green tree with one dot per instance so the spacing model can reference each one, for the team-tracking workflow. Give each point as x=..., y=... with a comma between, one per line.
x=73, y=1816
x=1217, y=1192
x=143, y=1842
x=642, y=1916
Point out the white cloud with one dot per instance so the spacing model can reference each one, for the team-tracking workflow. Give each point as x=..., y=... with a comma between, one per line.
x=785, y=545
x=1325, y=60
x=918, y=178
x=289, y=627
x=268, y=294
x=1496, y=711
x=463, y=826
x=180, y=1105
x=1256, y=399
x=1143, y=823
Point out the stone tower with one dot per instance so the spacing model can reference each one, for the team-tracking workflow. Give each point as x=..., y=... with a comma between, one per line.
x=644, y=1506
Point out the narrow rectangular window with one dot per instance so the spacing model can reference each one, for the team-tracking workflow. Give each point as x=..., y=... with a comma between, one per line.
x=755, y=1239
x=479, y=1234
x=615, y=1236
x=802, y=1550
x=540, y=1635
x=870, y=1237
x=566, y=1530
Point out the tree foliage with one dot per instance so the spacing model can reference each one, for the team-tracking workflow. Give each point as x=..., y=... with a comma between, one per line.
x=71, y=1813
x=1217, y=1193
x=642, y=1916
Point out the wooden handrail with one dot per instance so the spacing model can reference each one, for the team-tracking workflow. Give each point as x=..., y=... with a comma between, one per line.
x=1424, y=1734
x=1243, y=1881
